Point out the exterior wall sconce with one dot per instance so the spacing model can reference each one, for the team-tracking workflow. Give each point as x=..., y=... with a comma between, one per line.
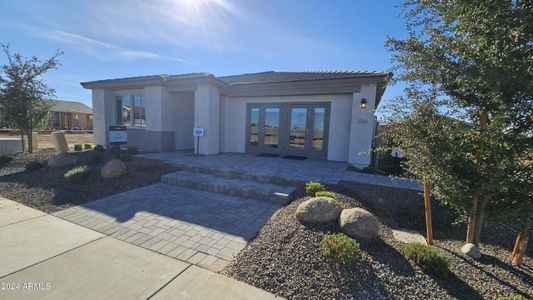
x=363, y=103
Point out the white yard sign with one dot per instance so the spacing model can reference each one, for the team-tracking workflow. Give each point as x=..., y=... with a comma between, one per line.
x=198, y=131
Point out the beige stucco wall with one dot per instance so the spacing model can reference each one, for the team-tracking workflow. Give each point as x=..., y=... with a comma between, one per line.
x=233, y=121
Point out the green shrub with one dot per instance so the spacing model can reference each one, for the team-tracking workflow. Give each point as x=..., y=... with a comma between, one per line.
x=428, y=258
x=312, y=187
x=4, y=159
x=512, y=297
x=341, y=248
x=325, y=194
x=77, y=174
x=87, y=146
x=132, y=150
x=99, y=148
x=94, y=157
x=77, y=147
x=369, y=170
x=33, y=166
x=125, y=157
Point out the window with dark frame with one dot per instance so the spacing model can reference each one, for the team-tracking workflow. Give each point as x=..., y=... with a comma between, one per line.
x=130, y=110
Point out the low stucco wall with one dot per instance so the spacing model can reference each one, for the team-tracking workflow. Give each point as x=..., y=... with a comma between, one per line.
x=10, y=145
x=147, y=140
x=233, y=121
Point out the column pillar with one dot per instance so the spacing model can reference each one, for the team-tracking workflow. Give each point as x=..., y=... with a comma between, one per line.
x=362, y=126
x=207, y=116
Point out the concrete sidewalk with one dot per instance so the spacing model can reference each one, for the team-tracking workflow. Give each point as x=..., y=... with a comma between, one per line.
x=44, y=257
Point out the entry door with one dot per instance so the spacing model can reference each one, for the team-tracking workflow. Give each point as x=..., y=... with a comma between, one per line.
x=263, y=131
x=306, y=129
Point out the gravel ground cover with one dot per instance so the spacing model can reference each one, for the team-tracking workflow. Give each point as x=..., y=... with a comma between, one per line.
x=47, y=190
x=285, y=259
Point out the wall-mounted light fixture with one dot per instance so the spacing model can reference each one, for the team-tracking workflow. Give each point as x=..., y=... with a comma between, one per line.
x=363, y=103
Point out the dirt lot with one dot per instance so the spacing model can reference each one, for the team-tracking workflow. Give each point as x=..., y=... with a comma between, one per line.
x=46, y=141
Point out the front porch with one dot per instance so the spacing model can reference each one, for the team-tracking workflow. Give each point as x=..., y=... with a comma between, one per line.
x=277, y=170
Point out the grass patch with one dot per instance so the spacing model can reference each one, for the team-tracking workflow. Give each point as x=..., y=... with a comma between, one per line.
x=341, y=248
x=430, y=259
x=326, y=194
x=512, y=297
x=77, y=174
x=87, y=146
x=77, y=147
x=33, y=166
x=313, y=187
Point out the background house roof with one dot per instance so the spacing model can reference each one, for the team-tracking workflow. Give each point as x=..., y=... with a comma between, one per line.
x=70, y=106
x=282, y=76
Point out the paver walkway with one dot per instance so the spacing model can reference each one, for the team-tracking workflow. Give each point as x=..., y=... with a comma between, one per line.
x=301, y=170
x=44, y=257
x=199, y=227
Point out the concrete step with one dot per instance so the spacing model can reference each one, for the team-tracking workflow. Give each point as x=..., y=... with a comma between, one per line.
x=230, y=186
x=238, y=174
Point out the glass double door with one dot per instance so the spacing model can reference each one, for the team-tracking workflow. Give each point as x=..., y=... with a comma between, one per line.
x=288, y=129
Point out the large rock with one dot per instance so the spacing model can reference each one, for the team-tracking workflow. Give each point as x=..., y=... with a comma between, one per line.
x=471, y=250
x=359, y=223
x=61, y=160
x=318, y=210
x=60, y=142
x=114, y=168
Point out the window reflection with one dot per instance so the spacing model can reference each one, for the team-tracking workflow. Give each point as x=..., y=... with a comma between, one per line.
x=298, y=126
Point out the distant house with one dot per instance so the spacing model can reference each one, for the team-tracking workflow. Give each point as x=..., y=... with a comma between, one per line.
x=70, y=115
x=64, y=115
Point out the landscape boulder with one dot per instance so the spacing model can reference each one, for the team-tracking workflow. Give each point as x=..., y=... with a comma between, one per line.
x=60, y=142
x=61, y=160
x=318, y=210
x=471, y=250
x=114, y=168
x=359, y=223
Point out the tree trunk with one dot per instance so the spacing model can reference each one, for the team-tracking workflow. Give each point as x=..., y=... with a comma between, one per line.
x=30, y=142
x=472, y=221
x=477, y=214
x=520, y=245
x=480, y=220
x=22, y=140
x=427, y=206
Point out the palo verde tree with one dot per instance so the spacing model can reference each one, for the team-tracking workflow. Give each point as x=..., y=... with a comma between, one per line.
x=23, y=93
x=480, y=56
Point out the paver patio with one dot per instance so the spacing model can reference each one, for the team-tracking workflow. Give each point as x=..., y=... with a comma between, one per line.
x=330, y=172
x=199, y=227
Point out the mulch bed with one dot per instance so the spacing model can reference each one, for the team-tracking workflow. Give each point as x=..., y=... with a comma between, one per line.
x=285, y=259
x=47, y=190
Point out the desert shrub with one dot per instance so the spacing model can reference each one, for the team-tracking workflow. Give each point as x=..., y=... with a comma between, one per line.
x=94, y=157
x=512, y=297
x=369, y=170
x=4, y=159
x=312, y=187
x=125, y=157
x=99, y=148
x=87, y=146
x=325, y=194
x=33, y=166
x=77, y=147
x=340, y=248
x=132, y=150
x=77, y=174
x=430, y=259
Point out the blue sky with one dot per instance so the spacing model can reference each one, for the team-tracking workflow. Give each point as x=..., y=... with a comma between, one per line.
x=109, y=39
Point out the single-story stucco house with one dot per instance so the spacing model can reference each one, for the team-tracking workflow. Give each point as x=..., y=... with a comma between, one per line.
x=323, y=115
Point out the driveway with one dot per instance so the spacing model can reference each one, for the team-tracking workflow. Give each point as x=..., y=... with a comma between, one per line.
x=44, y=257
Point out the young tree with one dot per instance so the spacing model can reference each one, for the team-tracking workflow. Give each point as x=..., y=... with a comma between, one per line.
x=23, y=93
x=480, y=56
